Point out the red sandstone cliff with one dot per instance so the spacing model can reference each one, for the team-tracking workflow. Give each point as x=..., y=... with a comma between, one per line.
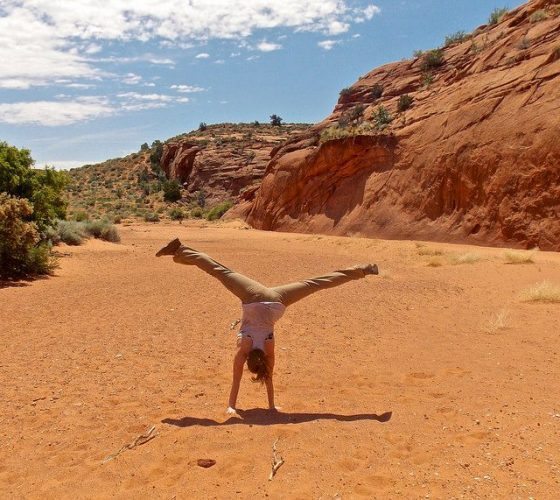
x=476, y=158
x=224, y=160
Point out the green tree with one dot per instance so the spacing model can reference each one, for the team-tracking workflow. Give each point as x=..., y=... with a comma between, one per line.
x=171, y=191
x=155, y=156
x=275, y=120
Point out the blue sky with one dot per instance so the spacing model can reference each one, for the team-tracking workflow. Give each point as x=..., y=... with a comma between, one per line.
x=80, y=83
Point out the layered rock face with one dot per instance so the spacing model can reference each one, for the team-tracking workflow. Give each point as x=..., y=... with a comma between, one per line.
x=475, y=158
x=224, y=160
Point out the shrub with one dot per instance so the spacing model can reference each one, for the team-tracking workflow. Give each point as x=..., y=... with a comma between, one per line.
x=219, y=210
x=201, y=198
x=110, y=233
x=427, y=79
x=352, y=115
x=18, y=238
x=155, y=156
x=171, y=191
x=538, y=16
x=524, y=43
x=496, y=15
x=418, y=53
x=202, y=127
x=336, y=132
x=465, y=258
x=376, y=91
x=405, y=101
x=345, y=91
x=512, y=257
x=457, y=37
x=144, y=147
x=275, y=120
x=176, y=214
x=70, y=232
x=543, y=292
x=151, y=217
x=432, y=59
x=197, y=213
x=382, y=118
x=80, y=216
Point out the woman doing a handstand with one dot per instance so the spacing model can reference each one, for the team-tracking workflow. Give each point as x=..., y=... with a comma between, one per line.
x=262, y=307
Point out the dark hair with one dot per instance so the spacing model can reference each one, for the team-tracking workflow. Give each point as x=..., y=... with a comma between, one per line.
x=256, y=362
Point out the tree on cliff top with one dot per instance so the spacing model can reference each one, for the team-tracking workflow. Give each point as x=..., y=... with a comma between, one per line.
x=275, y=120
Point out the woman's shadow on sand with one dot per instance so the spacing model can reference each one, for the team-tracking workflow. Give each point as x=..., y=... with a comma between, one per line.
x=259, y=416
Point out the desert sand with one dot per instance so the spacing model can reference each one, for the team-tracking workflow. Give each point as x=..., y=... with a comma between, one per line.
x=423, y=382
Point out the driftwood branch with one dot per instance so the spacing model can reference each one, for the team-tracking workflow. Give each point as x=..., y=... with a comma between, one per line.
x=140, y=440
x=277, y=461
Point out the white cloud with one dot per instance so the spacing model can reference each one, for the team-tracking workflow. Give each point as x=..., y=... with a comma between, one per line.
x=55, y=113
x=219, y=61
x=43, y=40
x=268, y=47
x=328, y=44
x=187, y=89
x=132, y=79
x=202, y=55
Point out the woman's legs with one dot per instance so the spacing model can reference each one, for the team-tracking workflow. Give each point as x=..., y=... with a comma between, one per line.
x=296, y=291
x=246, y=289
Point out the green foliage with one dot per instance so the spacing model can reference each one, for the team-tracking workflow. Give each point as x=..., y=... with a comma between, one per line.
x=417, y=54
x=345, y=92
x=432, y=59
x=197, y=213
x=201, y=198
x=457, y=37
x=151, y=217
x=427, y=78
x=538, y=16
x=176, y=213
x=337, y=132
x=19, y=253
x=219, y=210
x=256, y=123
x=171, y=191
x=376, y=91
x=202, y=127
x=524, y=43
x=155, y=156
x=43, y=188
x=75, y=233
x=496, y=15
x=405, y=101
x=275, y=120
x=382, y=118
x=352, y=116
x=144, y=147
x=80, y=216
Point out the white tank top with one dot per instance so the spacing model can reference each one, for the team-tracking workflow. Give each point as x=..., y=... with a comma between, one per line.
x=258, y=320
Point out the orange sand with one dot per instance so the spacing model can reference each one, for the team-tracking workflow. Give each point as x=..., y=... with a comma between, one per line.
x=119, y=341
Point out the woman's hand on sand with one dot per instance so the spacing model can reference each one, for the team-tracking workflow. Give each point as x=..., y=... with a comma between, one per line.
x=232, y=411
x=275, y=408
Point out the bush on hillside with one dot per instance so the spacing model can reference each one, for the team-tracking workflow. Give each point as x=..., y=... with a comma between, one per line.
x=155, y=156
x=382, y=118
x=432, y=59
x=151, y=217
x=496, y=15
x=171, y=191
x=405, y=101
x=457, y=37
x=275, y=120
x=376, y=91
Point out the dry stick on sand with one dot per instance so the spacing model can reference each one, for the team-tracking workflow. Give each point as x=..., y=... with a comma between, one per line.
x=277, y=461
x=140, y=440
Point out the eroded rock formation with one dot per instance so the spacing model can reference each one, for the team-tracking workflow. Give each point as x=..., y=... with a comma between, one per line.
x=224, y=160
x=476, y=158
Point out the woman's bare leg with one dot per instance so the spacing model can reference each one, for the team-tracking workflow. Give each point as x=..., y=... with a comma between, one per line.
x=293, y=292
x=246, y=289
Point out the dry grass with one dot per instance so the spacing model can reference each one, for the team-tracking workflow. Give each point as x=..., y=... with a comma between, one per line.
x=544, y=292
x=513, y=257
x=435, y=262
x=464, y=258
x=429, y=251
x=497, y=322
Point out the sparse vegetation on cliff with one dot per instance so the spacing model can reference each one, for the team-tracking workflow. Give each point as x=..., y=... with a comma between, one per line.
x=496, y=15
x=458, y=37
x=432, y=59
x=405, y=101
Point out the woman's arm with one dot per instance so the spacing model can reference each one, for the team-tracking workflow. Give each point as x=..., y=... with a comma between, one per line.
x=269, y=352
x=244, y=345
